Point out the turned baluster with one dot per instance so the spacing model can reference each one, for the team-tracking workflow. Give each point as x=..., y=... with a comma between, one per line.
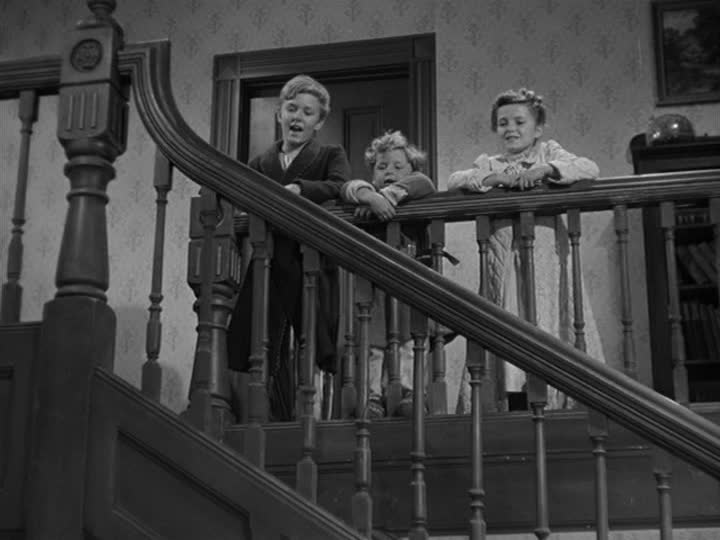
x=477, y=366
x=348, y=392
x=597, y=423
x=662, y=460
x=306, y=467
x=258, y=406
x=536, y=387
x=662, y=470
x=362, y=499
x=151, y=370
x=622, y=231
x=493, y=397
x=437, y=390
x=78, y=329
x=677, y=347
x=419, y=512
x=393, y=390
x=574, y=233
x=714, y=211
x=11, y=302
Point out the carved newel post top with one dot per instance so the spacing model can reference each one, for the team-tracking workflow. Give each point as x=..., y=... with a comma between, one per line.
x=102, y=16
x=102, y=8
x=93, y=104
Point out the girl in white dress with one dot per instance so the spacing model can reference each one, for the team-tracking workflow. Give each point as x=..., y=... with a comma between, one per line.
x=518, y=119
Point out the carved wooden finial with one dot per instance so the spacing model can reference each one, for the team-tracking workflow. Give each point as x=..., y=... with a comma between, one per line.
x=102, y=9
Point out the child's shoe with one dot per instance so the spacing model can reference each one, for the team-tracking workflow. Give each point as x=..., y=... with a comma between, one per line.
x=375, y=406
x=405, y=407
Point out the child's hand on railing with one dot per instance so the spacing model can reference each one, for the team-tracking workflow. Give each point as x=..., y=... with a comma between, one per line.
x=378, y=206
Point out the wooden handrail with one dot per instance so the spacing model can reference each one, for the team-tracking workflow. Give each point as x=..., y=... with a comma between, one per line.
x=659, y=419
x=633, y=191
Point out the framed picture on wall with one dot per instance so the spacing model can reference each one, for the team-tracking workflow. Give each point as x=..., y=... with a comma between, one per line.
x=687, y=51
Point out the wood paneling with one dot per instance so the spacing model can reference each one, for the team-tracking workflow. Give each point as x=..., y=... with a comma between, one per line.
x=18, y=350
x=150, y=473
x=508, y=468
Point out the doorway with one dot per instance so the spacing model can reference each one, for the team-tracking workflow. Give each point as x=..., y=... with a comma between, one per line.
x=375, y=85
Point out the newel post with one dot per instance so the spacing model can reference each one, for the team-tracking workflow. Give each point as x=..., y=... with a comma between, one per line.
x=78, y=328
x=214, y=274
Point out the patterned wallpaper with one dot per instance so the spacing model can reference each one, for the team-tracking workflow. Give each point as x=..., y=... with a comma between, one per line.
x=591, y=59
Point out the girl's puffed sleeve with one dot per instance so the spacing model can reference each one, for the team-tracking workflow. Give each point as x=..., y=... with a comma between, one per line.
x=570, y=167
x=472, y=179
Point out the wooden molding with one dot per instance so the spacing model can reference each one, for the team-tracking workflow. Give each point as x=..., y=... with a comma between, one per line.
x=508, y=466
x=133, y=436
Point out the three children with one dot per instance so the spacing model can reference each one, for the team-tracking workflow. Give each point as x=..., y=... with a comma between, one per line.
x=321, y=172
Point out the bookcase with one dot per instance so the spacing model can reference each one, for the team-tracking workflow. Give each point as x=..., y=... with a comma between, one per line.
x=696, y=270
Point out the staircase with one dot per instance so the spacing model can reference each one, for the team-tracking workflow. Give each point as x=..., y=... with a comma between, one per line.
x=83, y=453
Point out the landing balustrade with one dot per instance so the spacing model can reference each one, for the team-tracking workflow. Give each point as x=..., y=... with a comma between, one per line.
x=216, y=269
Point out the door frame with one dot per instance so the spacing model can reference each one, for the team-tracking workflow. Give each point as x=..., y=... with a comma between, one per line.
x=237, y=75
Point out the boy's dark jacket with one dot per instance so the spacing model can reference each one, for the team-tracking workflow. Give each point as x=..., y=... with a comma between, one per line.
x=320, y=171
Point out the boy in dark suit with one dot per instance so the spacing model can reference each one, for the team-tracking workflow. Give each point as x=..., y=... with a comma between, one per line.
x=316, y=172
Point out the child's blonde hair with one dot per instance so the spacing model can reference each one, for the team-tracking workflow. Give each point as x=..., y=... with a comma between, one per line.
x=304, y=84
x=394, y=140
x=523, y=96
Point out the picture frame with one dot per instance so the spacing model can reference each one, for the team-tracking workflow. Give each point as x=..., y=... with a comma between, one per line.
x=687, y=51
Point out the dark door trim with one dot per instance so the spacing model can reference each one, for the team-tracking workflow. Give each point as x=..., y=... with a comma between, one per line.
x=237, y=75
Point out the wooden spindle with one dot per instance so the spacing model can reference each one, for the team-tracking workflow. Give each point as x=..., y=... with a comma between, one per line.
x=348, y=392
x=307, y=468
x=477, y=365
x=598, y=432
x=536, y=387
x=393, y=390
x=621, y=232
x=261, y=241
x=362, y=499
x=494, y=396
x=418, y=524
x=574, y=233
x=78, y=328
x=437, y=389
x=597, y=423
x=662, y=470
x=151, y=370
x=714, y=214
x=11, y=302
x=662, y=466
x=677, y=354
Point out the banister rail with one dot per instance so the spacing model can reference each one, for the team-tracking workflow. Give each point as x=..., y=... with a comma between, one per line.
x=632, y=191
x=642, y=410
x=659, y=419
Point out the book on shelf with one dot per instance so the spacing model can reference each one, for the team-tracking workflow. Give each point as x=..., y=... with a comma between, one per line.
x=690, y=265
x=694, y=216
x=707, y=252
x=704, y=260
x=711, y=330
x=701, y=330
